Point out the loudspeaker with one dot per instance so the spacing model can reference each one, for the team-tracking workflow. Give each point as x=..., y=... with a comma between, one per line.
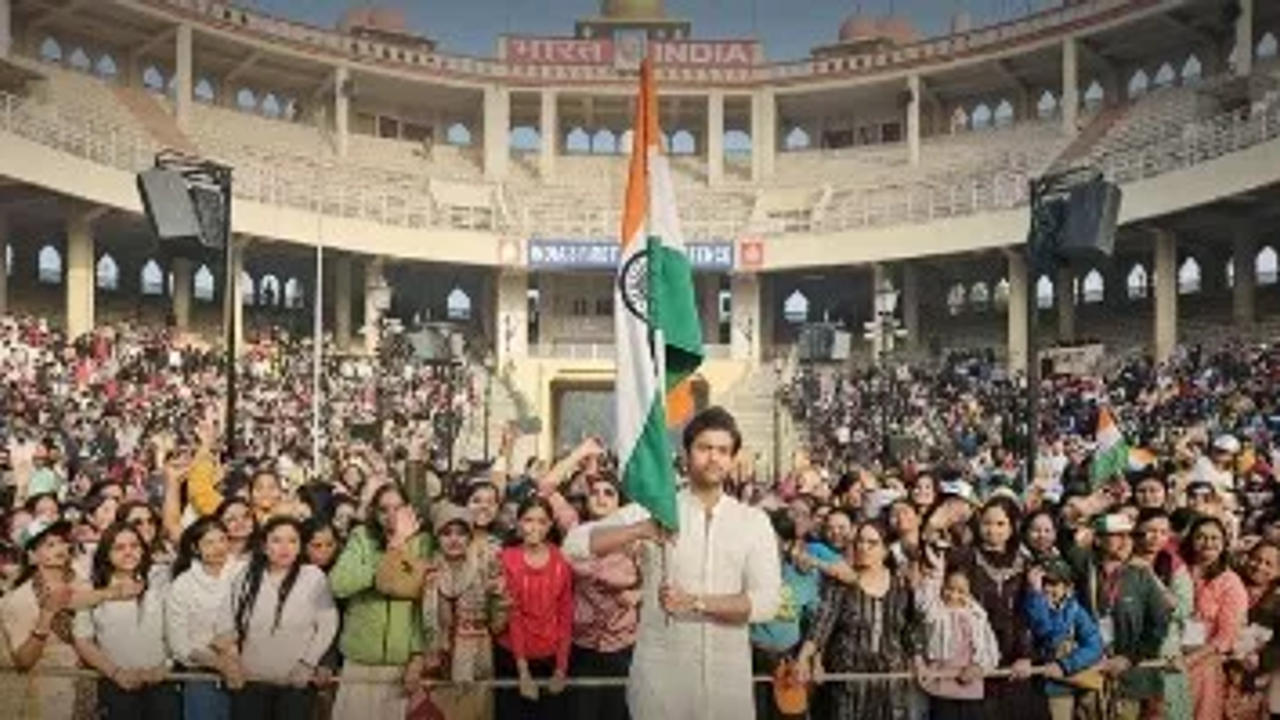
x=1089, y=225
x=168, y=204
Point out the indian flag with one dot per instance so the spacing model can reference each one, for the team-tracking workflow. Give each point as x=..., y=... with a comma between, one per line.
x=1111, y=457
x=655, y=318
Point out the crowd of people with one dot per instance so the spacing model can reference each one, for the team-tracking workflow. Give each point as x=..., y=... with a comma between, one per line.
x=906, y=567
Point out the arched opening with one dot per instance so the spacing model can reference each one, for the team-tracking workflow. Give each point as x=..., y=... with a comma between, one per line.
x=49, y=265
x=577, y=141
x=79, y=60
x=1048, y=105
x=8, y=260
x=151, y=279
x=797, y=139
x=1267, y=47
x=737, y=141
x=203, y=91
x=1139, y=83
x=271, y=106
x=269, y=294
x=1044, y=292
x=956, y=298
x=1094, y=95
x=1230, y=273
x=1001, y=294
x=153, y=79
x=106, y=67
x=458, y=134
x=50, y=50
x=246, y=100
x=604, y=142
x=293, y=294
x=1137, y=282
x=959, y=120
x=457, y=305
x=1165, y=76
x=1189, y=277
x=1192, y=70
x=526, y=139
x=1265, y=266
x=108, y=273
x=682, y=143
x=981, y=117
x=289, y=111
x=202, y=287
x=248, y=295
x=625, y=141
x=795, y=309
x=979, y=296
x=1094, y=287
x=1004, y=114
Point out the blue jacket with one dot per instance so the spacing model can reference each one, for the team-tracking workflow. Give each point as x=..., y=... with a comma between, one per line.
x=1053, y=626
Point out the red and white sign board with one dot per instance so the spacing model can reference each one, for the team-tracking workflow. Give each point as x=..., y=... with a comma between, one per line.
x=526, y=50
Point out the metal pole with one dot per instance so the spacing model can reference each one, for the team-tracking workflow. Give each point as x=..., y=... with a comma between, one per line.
x=317, y=355
x=230, y=289
x=488, y=397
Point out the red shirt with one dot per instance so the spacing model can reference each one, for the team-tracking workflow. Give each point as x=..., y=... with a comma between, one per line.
x=541, y=622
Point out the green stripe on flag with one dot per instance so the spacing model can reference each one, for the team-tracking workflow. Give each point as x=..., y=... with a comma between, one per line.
x=649, y=474
x=673, y=309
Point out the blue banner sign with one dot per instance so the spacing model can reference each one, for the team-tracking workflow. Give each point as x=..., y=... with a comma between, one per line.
x=595, y=255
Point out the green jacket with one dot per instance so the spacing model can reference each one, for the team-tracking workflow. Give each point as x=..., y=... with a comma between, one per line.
x=1140, y=615
x=376, y=629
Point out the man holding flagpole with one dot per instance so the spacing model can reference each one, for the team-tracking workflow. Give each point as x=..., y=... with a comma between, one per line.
x=709, y=563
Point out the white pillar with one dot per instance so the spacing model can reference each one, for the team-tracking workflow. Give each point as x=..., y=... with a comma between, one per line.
x=497, y=129
x=182, y=293
x=549, y=130
x=80, y=276
x=342, y=302
x=4, y=256
x=341, y=108
x=375, y=285
x=764, y=141
x=1244, y=290
x=1244, y=39
x=6, y=27
x=1070, y=86
x=183, y=77
x=238, y=249
x=1166, y=277
x=746, y=329
x=913, y=119
x=911, y=304
x=1019, y=286
x=1064, y=289
x=513, y=316
x=715, y=137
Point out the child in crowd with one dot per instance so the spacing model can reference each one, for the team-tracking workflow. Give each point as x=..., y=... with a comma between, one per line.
x=959, y=648
x=1066, y=636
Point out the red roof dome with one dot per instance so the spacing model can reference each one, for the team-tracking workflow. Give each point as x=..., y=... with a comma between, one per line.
x=898, y=29
x=858, y=27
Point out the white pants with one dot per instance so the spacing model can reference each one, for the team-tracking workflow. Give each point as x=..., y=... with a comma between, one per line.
x=383, y=698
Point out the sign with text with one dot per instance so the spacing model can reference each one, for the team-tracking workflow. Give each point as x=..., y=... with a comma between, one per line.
x=627, y=49
x=597, y=255
x=704, y=53
x=556, y=51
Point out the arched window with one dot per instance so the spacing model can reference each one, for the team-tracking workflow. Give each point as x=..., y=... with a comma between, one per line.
x=1094, y=287
x=956, y=298
x=269, y=293
x=795, y=309
x=797, y=139
x=979, y=295
x=50, y=50
x=203, y=91
x=1044, y=292
x=106, y=66
x=1192, y=70
x=458, y=134
x=1265, y=266
x=202, y=287
x=457, y=305
x=959, y=120
x=246, y=100
x=1189, y=277
x=293, y=296
x=248, y=294
x=151, y=280
x=1137, y=282
x=271, y=105
x=1004, y=114
x=108, y=273
x=1230, y=273
x=682, y=143
x=79, y=59
x=1001, y=294
x=604, y=142
x=153, y=79
x=1267, y=47
x=737, y=141
x=1165, y=76
x=1094, y=95
x=49, y=265
x=981, y=117
x=1048, y=105
x=1139, y=83
x=525, y=138
x=625, y=141
x=577, y=141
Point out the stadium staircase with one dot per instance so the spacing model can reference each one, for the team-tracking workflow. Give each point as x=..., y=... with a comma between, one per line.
x=154, y=118
x=751, y=400
x=1090, y=136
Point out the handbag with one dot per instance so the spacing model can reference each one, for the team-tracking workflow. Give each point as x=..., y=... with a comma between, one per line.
x=401, y=576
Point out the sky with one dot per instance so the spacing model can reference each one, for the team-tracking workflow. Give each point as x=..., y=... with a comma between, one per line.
x=788, y=28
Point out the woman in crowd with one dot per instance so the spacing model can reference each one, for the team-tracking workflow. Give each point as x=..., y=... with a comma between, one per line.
x=198, y=619
x=482, y=501
x=285, y=622
x=1221, y=606
x=146, y=520
x=379, y=576
x=1040, y=536
x=236, y=515
x=537, y=639
x=1256, y=660
x=1152, y=548
x=265, y=494
x=465, y=603
x=838, y=531
x=124, y=639
x=904, y=524
x=870, y=625
x=924, y=493
x=320, y=540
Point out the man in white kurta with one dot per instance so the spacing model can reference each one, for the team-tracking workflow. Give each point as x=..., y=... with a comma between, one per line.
x=690, y=664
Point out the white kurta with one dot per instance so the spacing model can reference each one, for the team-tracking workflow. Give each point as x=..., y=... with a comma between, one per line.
x=694, y=669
